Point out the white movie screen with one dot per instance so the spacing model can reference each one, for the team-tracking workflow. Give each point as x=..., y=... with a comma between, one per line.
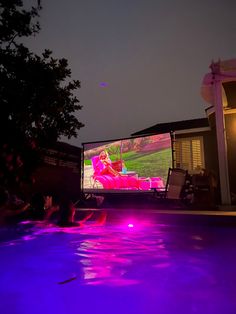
x=139, y=163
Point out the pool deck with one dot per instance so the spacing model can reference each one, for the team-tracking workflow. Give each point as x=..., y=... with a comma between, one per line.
x=221, y=211
x=161, y=206
x=231, y=211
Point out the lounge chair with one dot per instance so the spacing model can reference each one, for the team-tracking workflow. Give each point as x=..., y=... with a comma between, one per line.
x=111, y=182
x=128, y=182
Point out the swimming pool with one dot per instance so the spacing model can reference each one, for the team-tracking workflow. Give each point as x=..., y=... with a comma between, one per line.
x=136, y=263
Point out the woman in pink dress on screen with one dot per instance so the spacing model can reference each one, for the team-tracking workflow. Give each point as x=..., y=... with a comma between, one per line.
x=105, y=165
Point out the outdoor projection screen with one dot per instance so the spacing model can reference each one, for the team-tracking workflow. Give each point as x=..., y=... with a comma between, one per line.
x=139, y=164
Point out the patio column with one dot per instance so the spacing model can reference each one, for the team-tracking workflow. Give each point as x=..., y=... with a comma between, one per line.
x=221, y=135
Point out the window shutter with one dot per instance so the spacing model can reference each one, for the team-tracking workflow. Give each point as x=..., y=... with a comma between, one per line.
x=186, y=154
x=196, y=153
x=189, y=153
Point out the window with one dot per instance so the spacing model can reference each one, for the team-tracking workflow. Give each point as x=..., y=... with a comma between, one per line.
x=189, y=154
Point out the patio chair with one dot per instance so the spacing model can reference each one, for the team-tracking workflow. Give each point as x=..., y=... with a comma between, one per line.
x=174, y=185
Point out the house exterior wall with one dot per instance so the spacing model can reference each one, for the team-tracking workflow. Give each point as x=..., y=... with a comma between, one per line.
x=230, y=124
x=210, y=148
x=211, y=196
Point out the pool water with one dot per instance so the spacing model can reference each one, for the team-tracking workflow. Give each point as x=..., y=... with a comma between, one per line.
x=130, y=265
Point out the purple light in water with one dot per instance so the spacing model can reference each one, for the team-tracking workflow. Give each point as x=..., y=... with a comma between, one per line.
x=130, y=225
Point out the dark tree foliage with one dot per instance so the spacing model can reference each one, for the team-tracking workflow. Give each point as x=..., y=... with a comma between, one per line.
x=37, y=102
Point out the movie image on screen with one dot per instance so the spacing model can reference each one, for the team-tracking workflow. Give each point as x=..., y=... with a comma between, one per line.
x=139, y=163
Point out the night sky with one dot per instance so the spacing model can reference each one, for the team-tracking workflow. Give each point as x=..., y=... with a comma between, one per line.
x=140, y=62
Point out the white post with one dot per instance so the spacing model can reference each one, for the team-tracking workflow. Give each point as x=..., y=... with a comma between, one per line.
x=221, y=142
